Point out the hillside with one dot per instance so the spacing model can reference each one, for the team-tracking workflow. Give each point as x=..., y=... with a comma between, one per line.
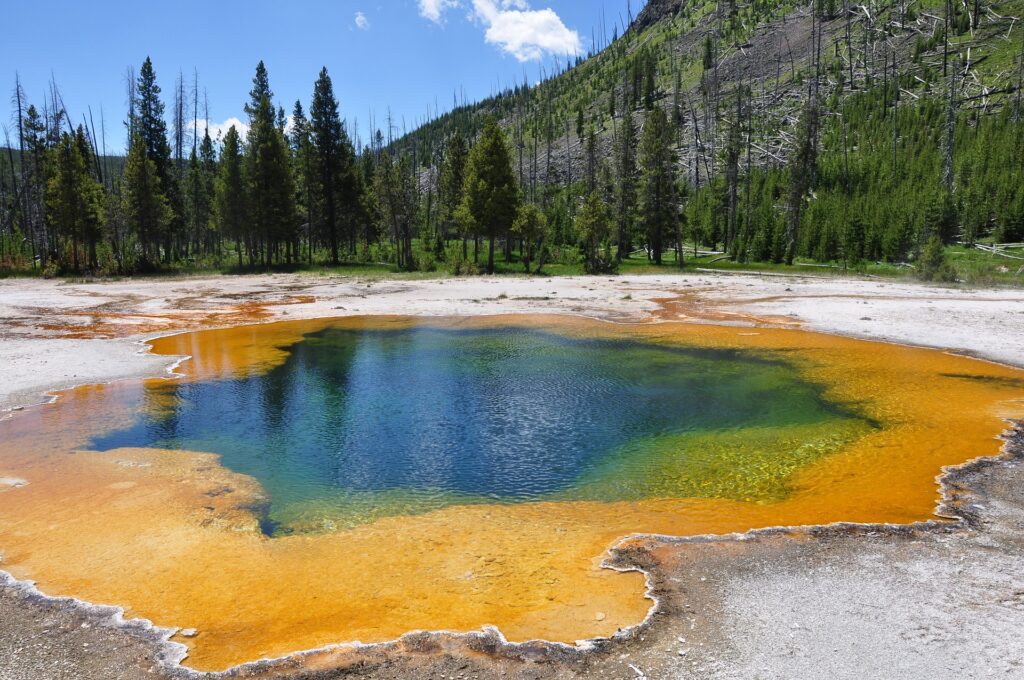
x=764, y=46
x=736, y=76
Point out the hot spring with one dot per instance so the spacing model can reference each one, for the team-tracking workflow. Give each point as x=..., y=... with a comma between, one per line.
x=309, y=483
x=356, y=424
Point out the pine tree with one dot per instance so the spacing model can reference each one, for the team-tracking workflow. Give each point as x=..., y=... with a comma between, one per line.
x=73, y=199
x=304, y=166
x=152, y=129
x=146, y=208
x=208, y=170
x=330, y=156
x=625, y=166
x=801, y=173
x=395, y=193
x=269, y=175
x=595, y=229
x=34, y=177
x=733, y=148
x=592, y=162
x=650, y=80
x=531, y=226
x=934, y=266
x=658, y=207
x=367, y=172
x=450, y=185
x=491, y=196
x=200, y=179
x=230, y=199
x=91, y=199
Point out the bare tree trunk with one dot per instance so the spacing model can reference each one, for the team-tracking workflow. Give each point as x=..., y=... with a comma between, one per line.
x=895, y=114
x=521, y=147
x=547, y=167
x=950, y=129
x=14, y=177
x=745, y=241
x=945, y=39
x=568, y=164
x=27, y=202
x=849, y=41
x=179, y=157
x=1020, y=78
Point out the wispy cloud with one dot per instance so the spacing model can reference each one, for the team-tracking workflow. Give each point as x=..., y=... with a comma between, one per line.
x=362, y=23
x=435, y=9
x=527, y=34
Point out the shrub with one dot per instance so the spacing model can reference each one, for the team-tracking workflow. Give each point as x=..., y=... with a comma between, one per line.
x=934, y=265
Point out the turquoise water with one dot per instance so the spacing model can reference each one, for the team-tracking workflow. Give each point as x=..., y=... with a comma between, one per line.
x=357, y=424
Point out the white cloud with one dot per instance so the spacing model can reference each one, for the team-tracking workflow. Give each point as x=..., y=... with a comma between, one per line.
x=362, y=23
x=289, y=124
x=524, y=33
x=511, y=25
x=435, y=9
x=218, y=130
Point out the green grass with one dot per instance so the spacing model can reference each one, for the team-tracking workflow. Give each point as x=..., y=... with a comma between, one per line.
x=973, y=267
x=984, y=269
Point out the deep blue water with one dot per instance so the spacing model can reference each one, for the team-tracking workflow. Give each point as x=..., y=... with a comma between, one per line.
x=425, y=416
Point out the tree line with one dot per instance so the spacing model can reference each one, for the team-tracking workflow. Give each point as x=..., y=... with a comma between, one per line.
x=274, y=193
x=291, y=190
x=874, y=163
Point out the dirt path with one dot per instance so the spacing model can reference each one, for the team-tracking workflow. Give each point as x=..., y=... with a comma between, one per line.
x=935, y=602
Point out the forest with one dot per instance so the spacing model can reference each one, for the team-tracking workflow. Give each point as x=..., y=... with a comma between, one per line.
x=877, y=133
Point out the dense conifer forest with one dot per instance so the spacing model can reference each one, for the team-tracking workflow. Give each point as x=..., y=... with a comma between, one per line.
x=828, y=134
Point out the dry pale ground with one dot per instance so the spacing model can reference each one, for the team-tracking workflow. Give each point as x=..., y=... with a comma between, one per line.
x=842, y=603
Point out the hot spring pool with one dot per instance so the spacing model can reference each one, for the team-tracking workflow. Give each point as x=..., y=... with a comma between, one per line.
x=356, y=424
x=310, y=483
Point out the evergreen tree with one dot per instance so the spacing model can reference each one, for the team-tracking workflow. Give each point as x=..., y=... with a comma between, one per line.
x=34, y=179
x=801, y=173
x=331, y=157
x=650, y=79
x=367, y=172
x=626, y=170
x=595, y=230
x=658, y=207
x=395, y=192
x=451, y=183
x=269, y=175
x=304, y=167
x=146, y=208
x=531, y=226
x=592, y=162
x=152, y=129
x=732, y=151
x=208, y=180
x=91, y=198
x=201, y=175
x=934, y=266
x=73, y=199
x=491, y=197
x=230, y=200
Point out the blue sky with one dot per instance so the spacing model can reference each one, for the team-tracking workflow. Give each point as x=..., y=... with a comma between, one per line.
x=409, y=55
